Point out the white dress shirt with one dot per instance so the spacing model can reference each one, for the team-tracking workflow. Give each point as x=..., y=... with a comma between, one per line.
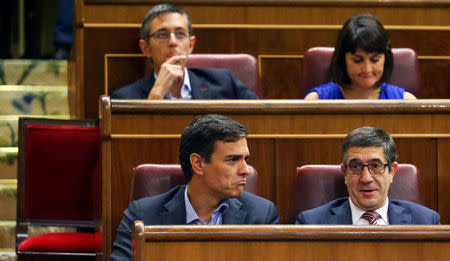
x=357, y=213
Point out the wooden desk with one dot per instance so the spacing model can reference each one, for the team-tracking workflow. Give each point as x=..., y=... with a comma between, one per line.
x=293, y=242
x=283, y=134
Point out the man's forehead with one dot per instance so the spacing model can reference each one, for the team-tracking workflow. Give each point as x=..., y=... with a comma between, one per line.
x=356, y=159
x=231, y=141
x=166, y=20
x=365, y=153
x=229, y=146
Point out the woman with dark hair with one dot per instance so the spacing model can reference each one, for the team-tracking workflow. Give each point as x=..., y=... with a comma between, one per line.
x=361, y=65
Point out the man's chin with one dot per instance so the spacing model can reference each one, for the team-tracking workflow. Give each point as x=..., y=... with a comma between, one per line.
x=368, y=204
x=238, y=192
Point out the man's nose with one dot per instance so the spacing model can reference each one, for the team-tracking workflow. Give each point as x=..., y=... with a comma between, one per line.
x=172, y=38
x=244, y=168
x=365, y=175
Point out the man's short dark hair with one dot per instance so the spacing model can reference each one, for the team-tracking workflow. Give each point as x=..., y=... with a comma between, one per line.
x=366, y=32
x=200, y=137
x=370, y=137
x=156, y=11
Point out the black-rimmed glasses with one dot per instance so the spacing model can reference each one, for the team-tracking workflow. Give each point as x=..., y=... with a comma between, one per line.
x=374, y=168
x=165, y=35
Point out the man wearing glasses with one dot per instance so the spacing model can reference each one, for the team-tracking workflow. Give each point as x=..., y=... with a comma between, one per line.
x=166, y=37
x=369, y=165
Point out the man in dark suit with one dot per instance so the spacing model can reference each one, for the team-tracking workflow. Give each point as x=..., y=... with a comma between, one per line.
x=213, y=156
x=369, y=165
x=166, y=37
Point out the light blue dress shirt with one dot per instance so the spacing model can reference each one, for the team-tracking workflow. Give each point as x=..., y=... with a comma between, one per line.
x=193, y=219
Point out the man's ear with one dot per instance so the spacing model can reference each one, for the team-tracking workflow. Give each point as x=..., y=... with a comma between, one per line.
x=192, y=43
x=196, y=163
x=343, y=169
x=394, y=169
x=145, y=48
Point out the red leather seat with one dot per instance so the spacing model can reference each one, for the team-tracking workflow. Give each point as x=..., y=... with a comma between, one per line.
x=243, y=66
x=58, y=185
x=316, y=185
x=316, y=69
x=153, y=179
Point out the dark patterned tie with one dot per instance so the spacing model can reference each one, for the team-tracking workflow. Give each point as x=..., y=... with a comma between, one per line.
x=371, y=216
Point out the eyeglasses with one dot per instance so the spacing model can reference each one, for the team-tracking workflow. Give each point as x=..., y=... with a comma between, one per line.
x=165, y=35
x=374, y=168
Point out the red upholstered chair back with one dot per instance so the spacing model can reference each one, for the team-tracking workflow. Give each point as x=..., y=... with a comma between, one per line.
x=154, y=179
x=316, y=185
x=58, y=173
x=243, y=66
x=316, y=69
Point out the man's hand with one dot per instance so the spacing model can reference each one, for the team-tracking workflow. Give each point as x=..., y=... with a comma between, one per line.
x=170, y=77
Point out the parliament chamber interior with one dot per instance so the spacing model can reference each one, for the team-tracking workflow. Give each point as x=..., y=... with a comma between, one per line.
x=109, y=148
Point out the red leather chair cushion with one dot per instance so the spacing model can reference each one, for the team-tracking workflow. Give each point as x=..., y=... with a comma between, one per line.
x=63, y=242
x=243, y=66
x=406, y=73
x=316, y=70
x=60, y=164
x=153, y=179
x=316, y=185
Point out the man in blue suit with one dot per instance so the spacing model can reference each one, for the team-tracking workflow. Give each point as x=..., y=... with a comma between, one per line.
x=369, y=164
x=166, y=37
x=213, y=156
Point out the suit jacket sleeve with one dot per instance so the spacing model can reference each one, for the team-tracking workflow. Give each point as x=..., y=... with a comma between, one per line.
x=136, y=90
x=436, y=219
x=272, y=216
x=301, y=219
x=122, y=244
x=258, y=210
x=242, y=92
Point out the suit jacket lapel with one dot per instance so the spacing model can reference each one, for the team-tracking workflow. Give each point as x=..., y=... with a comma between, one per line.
x=341, y=214
x=234, y=214
x=199, y=90
x=146, y=87
x=397, y=215
x=176, y=210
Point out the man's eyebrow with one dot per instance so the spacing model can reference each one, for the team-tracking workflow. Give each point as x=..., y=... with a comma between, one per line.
x=370, y=160
x=167, y=29
x=237, y=156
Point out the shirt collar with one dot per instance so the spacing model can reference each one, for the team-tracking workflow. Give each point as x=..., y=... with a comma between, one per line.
x=192, y=216
x=186, y=84
x=357, y=212
x=186, y=90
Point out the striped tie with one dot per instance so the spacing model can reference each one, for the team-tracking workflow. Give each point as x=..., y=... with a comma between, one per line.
x=372, y=216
